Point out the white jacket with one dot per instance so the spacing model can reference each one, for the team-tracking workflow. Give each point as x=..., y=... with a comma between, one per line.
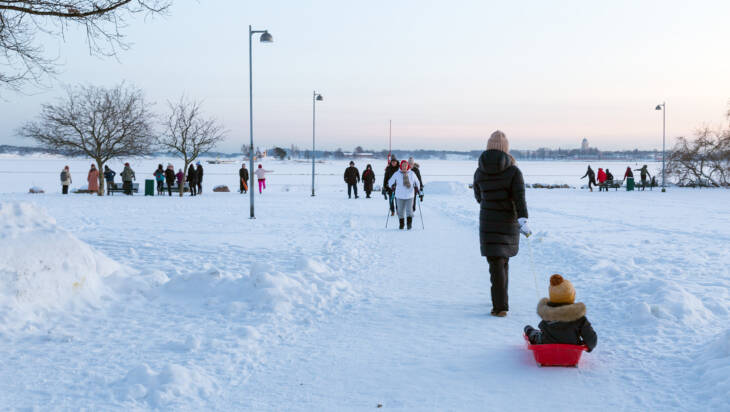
x=261, y=173
x=401, y=191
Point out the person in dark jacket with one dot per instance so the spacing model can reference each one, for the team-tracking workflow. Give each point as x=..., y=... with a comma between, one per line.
x=243, y=178
x=563, y=321
x=500, y=190
x=199, y=177
x=352, y=177
x=387, y=193
x=159, y=175
x=417, y=171
x=368, y=178
x=169, y=178
x=644, y=174
x=127, y=177
x=192, y=180
x=609, y=176
x=109, y=177
x=591, y=178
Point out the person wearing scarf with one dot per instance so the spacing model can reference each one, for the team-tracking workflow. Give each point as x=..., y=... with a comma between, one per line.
x=405, y=185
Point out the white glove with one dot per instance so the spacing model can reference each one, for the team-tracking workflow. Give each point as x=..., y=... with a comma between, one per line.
x=524, y=229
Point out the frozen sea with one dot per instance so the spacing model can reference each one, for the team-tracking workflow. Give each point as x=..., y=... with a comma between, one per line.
x=144, y=303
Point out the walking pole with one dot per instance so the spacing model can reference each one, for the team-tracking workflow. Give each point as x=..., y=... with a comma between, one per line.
x=387, y=217
x=420, y=212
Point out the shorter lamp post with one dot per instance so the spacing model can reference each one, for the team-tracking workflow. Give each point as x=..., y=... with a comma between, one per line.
x=663, y=108
x=316, y=97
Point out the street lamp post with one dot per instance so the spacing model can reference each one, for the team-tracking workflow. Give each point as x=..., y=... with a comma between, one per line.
x=315, y=98
x=264, y=38
x=663, y=108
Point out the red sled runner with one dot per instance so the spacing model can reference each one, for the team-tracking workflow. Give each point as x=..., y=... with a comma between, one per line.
x=556, y=354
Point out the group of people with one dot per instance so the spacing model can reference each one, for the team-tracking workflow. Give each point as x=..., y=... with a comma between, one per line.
x=606, y=177
x=260, y=174
x=499, y=189
x=92, y=178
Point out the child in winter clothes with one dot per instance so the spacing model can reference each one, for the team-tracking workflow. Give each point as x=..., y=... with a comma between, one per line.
x=563, y=321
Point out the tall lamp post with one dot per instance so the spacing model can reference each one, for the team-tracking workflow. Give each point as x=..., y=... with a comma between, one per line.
x=264, y=38
x=316, y=97
x=663, y=108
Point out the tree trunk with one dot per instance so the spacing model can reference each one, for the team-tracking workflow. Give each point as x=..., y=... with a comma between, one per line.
x=185, y=178
x=100, y=166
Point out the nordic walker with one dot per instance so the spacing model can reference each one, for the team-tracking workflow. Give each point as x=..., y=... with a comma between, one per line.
x=368, y=178
x=199, y=178
x=169, y=178
x=417, y=170
x=159, y=175
x=109, y=177
x=127, y=178
x=243, y=179
x=500, y=190
x=352, y=177
x=93, y=179
x=405, y=184
x=387, y=193
x=65, y=180
x=192, y=180
x=261, y=176
x=591, y=178
x=644, y=174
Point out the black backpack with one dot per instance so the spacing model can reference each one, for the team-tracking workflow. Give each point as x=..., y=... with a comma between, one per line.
x=64, y=175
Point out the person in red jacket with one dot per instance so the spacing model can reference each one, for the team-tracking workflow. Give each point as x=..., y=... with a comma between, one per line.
x=601, y=179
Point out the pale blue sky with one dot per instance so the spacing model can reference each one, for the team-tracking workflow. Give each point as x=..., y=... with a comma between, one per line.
x=446, y=73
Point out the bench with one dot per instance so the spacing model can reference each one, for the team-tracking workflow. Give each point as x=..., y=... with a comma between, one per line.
x=613, y=184
x=118, y=188
x=175, y=188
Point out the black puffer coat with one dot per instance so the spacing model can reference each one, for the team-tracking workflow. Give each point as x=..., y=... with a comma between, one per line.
x=368, y=178
x=389, y=170
x=500, y=190
x=566, y=323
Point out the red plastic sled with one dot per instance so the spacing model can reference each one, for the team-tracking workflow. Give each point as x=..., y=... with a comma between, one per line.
x=556, y=354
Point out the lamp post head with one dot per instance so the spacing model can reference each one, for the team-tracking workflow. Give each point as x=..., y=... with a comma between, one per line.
x=319, y=98
x=658, y=107
x=266, y=37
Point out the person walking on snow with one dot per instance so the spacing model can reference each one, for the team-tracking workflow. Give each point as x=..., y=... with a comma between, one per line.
x=563, y=320
x=368, y=178
x=404, y=184
x=591, y=178
x=500, y=191
x=644, y=173
x=199, y=178
x=192, y=180
x=243, y=178
x=159, y=175
x=417, y=170
x=109, y=177
x=127, y=178
x=93, y=179
x=391, y=169
x=601, y=180
x=169, y=178
x=65, y=180
x=352, y=177
x=261, y=176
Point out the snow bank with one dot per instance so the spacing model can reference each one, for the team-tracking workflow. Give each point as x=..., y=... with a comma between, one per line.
x=172, y=384
x=446, y=188
x=43, y=267
x=309, y=287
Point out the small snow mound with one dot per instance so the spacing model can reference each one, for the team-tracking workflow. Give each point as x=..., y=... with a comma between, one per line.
x=173, y=384
x=43, y=267
x=446, y=188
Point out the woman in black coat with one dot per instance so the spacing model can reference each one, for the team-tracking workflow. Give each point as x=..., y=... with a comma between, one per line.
x=500, y=190
x=192, y=180
x=368, y=178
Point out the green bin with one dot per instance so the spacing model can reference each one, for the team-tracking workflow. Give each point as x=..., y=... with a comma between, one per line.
x=149, y=187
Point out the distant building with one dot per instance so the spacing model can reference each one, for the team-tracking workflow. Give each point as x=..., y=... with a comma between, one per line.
x=584, y=145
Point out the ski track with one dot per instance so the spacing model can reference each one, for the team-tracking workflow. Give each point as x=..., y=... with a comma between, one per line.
x=414, y=330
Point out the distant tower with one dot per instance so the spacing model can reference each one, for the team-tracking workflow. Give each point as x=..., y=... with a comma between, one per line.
x=584, y=145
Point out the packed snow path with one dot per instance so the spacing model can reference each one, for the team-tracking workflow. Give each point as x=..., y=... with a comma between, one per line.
x=316, y=306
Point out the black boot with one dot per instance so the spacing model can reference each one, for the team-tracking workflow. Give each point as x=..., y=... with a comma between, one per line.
x=401, y=224
x=409, y=222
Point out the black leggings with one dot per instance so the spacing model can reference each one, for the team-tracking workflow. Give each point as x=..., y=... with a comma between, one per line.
x=499, y=275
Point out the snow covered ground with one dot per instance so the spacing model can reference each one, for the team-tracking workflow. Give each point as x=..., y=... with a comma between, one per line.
x=167, y=303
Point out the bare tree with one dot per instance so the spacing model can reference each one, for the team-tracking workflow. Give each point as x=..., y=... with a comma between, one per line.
x=188, y=134
x=23, y=59
x=95, y=122
x=704, y=161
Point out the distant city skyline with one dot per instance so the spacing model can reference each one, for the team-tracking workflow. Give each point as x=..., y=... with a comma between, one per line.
x=446, y=73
